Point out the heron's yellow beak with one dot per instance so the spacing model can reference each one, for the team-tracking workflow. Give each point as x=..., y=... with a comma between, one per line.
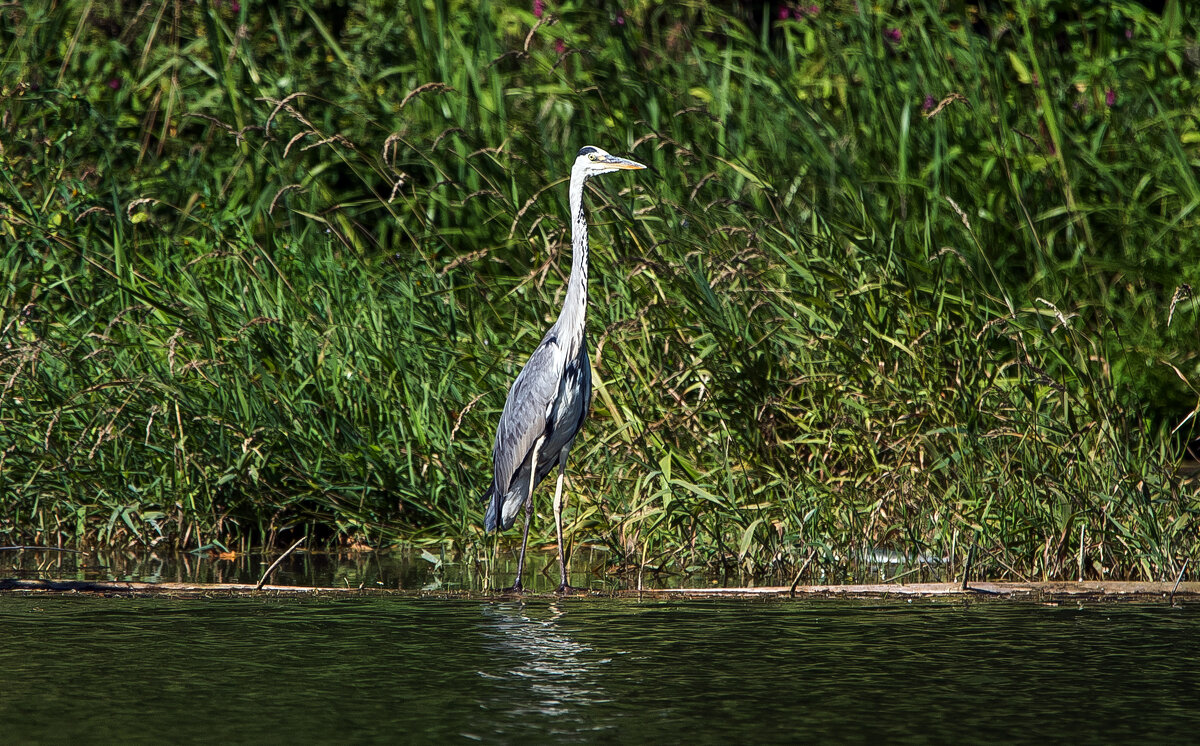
x=622, y=163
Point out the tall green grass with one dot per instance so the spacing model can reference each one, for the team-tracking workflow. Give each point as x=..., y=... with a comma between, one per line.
x=899, y=278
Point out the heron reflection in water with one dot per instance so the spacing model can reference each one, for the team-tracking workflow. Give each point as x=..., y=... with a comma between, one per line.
x=561, y=674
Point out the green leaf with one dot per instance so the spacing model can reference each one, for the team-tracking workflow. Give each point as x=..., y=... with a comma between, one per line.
x=1019, y=67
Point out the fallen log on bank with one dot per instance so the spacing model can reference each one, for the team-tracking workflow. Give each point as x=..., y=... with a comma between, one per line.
x=1041, y=592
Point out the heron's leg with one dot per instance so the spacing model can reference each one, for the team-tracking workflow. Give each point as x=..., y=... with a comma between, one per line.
x=517, y=586
x=560, y=502
x=537, y=446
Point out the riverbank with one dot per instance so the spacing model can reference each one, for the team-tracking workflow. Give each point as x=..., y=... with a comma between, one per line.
x=905, y=279
x=1033, y=592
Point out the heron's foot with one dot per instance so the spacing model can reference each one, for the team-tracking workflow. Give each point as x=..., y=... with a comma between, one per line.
x=516, y=587
x=567, y=590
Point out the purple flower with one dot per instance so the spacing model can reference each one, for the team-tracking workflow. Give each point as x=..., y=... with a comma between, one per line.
x=1128, y=33
x=620, y=19
x=1110, y=97
x=539, y=8
x=813, y=11
x=929, y=102
x=114, y=83
x=893, y=35
x=784, y=13
x=560, y=46
x=235, y=6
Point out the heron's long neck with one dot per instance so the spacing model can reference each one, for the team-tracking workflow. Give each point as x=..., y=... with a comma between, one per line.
x=575, y=309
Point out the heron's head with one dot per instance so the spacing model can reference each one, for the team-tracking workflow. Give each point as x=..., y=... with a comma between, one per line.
x=593, y=161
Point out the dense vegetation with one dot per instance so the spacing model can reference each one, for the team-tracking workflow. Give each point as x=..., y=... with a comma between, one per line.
x=907, y=277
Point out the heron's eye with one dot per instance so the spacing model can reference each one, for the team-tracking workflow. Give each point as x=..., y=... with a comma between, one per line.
x=593, y=156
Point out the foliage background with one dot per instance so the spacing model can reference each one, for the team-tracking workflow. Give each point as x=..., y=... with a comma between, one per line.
x=912, y=277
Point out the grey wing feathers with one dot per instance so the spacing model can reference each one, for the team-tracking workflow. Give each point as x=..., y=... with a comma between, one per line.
x=526, y=412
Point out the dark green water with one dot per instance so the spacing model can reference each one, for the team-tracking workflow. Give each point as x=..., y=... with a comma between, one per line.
x=428, y=671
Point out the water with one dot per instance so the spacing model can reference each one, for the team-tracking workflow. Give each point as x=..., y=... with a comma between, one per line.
x=582, y=670
x=412, y=570
x=424, y=569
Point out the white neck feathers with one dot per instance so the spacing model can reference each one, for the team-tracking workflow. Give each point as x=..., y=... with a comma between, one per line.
x=575, y=308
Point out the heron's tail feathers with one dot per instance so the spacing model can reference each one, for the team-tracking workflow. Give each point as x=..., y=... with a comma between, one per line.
x=491, y=519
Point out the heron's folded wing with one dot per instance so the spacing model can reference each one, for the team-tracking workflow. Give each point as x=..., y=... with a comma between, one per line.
x=526, y=415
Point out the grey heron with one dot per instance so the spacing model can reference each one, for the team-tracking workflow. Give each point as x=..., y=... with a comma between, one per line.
x=550, y=397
